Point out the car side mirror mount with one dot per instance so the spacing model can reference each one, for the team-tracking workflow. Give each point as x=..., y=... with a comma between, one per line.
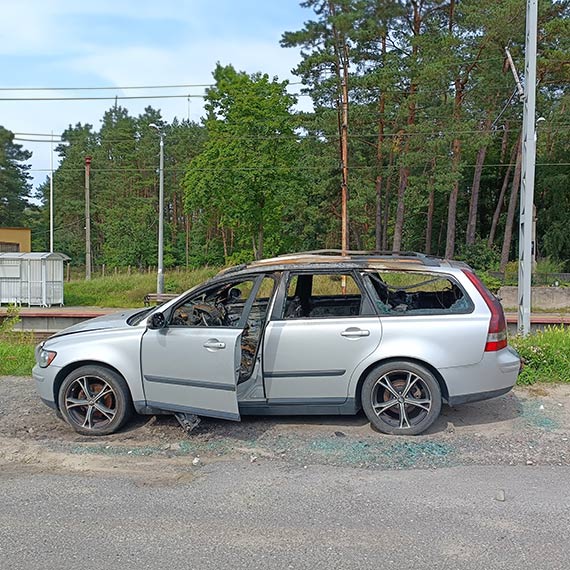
x=157, y=321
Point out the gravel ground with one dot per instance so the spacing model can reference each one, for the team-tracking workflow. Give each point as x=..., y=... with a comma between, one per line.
x=526, y=427
x=485, y=488
x=277, y=516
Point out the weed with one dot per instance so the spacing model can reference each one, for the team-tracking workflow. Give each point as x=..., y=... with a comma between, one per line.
x=16, y=355
x=546, y=355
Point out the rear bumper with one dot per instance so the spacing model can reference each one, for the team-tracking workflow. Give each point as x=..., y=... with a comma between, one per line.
x=466, y=398
x=493, y=376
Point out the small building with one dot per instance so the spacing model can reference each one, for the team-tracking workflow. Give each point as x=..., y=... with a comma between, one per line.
x=32, y=278
x=17, y=240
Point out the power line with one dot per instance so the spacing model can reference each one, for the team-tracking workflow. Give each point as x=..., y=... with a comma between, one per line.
x=107, y=88
x=119, y=88
x=418, y=92
x=281, y=167
x=101, y=98
x=37, y=134
x=122, y=97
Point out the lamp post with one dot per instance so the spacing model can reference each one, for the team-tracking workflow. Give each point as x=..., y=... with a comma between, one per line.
x=160, y=273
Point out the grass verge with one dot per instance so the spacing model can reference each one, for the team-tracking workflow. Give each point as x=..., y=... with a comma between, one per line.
x=126, y=291
x=16, y=355
x=546, y=355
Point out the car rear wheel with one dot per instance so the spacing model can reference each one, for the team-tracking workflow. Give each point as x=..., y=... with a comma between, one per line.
x=95, y=400
x=401, y=398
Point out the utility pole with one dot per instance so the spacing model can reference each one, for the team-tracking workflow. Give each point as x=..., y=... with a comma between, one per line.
x=341, y=68
x=160, y=268
x=526, y=245
x=87, y=221
x=51, y=195
x=344, y=154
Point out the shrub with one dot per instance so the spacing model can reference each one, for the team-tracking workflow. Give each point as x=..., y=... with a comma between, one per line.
x=10, y=321
x=479, y=256
x=492, y=283
x=546, y=355
x=16, y=348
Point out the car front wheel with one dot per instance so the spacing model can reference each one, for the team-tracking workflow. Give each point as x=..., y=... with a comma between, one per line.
x=95, y=400
x=401, y=398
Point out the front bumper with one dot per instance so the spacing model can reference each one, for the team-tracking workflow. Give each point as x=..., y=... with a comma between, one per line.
x=45, y=381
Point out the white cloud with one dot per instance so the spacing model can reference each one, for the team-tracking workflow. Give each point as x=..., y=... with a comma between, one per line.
x=55, y=38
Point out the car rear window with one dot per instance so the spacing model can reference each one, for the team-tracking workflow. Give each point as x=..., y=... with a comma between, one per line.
x=417, y=293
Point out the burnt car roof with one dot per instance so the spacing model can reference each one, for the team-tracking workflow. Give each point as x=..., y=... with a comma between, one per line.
x=349, y=259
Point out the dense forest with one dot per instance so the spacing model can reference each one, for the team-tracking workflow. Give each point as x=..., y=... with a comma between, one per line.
x=432, y=159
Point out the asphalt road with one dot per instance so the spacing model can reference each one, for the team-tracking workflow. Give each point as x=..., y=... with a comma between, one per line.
x=239, y=515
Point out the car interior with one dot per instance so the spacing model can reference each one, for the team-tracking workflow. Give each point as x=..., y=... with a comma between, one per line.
x=316, y=295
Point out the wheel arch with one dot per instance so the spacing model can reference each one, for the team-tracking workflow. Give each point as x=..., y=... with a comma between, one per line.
x=430, y=367
x=69, y=368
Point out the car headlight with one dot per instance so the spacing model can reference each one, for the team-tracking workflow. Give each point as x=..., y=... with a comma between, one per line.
x=45, y=357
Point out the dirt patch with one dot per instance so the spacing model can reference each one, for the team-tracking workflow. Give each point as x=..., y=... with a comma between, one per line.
x=527, y=426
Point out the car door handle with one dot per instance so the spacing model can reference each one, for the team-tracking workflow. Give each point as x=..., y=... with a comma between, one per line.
x=354, y=332
x=214, y=344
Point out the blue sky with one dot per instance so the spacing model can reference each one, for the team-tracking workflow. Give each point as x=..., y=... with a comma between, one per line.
x=69, y=43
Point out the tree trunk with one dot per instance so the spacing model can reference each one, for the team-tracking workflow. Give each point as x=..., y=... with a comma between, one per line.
x=501, y=200
x=429, y=222
x=452, y=208
x=511, y=213
x=399, y=227
x=342, y=68
x=260, y=242
x=405, y=171
x=387, y=202
x=431, y=208
x=378, y=218
x=187, y=230
x=379, y=162
x=225, y=243
x=474, y=202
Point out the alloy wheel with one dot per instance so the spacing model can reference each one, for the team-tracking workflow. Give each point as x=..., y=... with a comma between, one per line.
x=401, y=399
x=91, y=402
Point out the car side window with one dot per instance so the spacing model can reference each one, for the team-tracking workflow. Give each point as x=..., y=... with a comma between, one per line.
x=324, y=295
x=220, y=306
x=417, y=293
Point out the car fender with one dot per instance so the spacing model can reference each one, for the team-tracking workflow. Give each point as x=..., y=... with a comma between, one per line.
x=117, y=348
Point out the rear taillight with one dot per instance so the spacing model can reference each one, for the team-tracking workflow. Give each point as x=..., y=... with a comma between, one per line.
x=497, y=335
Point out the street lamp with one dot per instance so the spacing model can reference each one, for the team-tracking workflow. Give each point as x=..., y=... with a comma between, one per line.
x=160, y=275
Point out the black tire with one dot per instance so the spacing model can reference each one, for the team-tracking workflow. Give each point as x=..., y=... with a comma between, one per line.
x=95, y=400
x=387, y=403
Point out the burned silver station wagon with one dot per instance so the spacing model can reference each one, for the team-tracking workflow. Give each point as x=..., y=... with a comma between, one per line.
x=312, y=333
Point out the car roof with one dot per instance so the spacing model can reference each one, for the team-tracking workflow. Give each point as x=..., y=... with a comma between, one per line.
x=329, y=258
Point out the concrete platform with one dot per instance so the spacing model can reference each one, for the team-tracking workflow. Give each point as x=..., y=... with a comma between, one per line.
x=47, y=320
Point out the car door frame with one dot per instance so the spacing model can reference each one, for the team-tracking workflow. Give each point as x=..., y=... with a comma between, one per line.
x=277, y=315
x=257, y=279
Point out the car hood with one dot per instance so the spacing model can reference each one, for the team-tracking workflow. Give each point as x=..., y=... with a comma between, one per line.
x=112, y=321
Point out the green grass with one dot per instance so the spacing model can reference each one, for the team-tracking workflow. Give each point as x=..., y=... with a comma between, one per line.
x=129, y=290
x=546, y=355
x=16, y=355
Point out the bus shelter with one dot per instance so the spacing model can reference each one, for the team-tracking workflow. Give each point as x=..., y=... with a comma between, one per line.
x=34, y=278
